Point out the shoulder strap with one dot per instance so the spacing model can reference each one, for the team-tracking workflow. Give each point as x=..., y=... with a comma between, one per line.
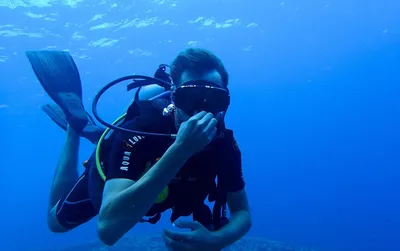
x=220, y=196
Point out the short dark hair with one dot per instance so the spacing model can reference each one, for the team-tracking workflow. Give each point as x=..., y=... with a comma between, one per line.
x=197, y=60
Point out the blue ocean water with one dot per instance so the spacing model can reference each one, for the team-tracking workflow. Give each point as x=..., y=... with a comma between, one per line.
x=316, y=108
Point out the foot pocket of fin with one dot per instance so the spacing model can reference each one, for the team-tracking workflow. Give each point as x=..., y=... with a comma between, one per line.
x=74, y=111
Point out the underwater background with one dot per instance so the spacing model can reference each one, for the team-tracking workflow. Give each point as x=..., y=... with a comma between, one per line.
x=315, y=108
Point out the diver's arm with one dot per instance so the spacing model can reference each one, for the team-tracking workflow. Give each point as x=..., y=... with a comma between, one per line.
x=239, y=221
x=125, y=202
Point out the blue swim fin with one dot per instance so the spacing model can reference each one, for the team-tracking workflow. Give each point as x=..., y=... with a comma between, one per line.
x=59, y=76
x=91, y=132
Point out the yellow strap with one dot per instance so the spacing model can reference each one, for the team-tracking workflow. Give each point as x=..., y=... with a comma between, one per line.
x=98, y=146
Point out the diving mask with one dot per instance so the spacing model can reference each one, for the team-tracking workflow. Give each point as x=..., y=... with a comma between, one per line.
x=201, y=95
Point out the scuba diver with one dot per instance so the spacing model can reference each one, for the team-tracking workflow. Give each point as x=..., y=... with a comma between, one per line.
x=170, y=150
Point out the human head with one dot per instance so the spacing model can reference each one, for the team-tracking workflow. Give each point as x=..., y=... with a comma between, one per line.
x=197, y=64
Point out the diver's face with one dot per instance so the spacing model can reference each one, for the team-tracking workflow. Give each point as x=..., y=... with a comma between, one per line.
x=212, y=76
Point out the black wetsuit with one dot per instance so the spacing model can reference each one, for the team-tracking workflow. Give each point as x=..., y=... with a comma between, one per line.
x=129, y=156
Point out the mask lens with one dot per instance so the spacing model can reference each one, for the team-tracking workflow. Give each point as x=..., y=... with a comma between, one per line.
x=201, y=98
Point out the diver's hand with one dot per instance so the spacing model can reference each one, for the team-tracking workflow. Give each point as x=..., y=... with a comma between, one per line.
x=196, y=133
x=198, y=239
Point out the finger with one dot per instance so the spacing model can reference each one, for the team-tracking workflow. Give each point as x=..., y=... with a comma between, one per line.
x=167, y=239
x=199, y=115
x=212, y=133
x=179, y=236
x=173, y=245
x=192, y=225
x=193, y=121
x=211, y=124
x=206, y=119
x=178, y=246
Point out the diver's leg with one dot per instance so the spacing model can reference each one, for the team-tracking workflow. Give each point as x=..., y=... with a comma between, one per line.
x=74, y=208
x=66, y=173
x=65, y=177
